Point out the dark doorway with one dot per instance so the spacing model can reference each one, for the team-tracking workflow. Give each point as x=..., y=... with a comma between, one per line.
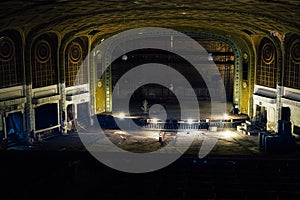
x=286, y=113
x=46, y=116
x=14, y=127
x=71, y=117
x=297, y=130
x=70, y=112
x=261, y=114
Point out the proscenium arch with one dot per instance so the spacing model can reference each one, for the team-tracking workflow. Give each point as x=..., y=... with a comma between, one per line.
x=158, y=38
x=237, y=66
x=106, y=60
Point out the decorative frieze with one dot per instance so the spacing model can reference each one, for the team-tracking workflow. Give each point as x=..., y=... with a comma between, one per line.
x=46, y=99
x=11, y=102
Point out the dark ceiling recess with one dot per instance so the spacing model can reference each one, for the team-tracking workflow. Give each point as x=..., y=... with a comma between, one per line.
x=247, y=32
x=87, y=17
x=94, y=32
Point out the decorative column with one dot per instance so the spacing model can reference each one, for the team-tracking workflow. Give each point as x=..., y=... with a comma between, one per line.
x=62, y=89
x=107, y=81
x=29, y=115
x=63, y=108
x=93, y=83
x=280, y=75
x=4, y=126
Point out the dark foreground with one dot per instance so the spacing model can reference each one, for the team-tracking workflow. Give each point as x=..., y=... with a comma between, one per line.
x=77, y=175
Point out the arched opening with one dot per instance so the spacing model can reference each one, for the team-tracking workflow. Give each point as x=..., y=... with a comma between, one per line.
x=292, y=64
x=11, y=67
x=44, y=61
x=11, y=80
x=266, y=84
x=75, y=70
x=266, y=71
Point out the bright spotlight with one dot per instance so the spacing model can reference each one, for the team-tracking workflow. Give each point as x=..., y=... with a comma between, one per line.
x=121, y=116
x=124, y=57
x=225, y=116
x=228, y=134
x=154, y=120
x=190, y=121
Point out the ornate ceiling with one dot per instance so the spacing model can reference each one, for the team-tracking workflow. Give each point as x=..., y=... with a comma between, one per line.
x=232, y=18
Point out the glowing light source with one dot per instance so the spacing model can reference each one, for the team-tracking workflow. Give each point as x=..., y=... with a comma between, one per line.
x=124, y=57
x=225, y=116
x=190, y=121
x=154, y=120
x=121, y=115
x=228, y=134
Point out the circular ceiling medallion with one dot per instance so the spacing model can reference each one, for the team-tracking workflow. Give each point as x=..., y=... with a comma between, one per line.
x=42, y=51
x=268, y=53
x=7, y=50
x=295, y=52
x=75, y=52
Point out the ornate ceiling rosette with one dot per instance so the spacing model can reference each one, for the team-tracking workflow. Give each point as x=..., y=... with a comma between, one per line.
x=295, y=51
x=42, y=51
x=268, y=53
x=7, y=49
x=75, y=53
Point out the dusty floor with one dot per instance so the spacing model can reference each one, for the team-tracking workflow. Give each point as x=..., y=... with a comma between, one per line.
x=229, y=143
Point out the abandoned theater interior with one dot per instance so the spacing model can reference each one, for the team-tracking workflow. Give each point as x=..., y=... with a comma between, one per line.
x=56, y=82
